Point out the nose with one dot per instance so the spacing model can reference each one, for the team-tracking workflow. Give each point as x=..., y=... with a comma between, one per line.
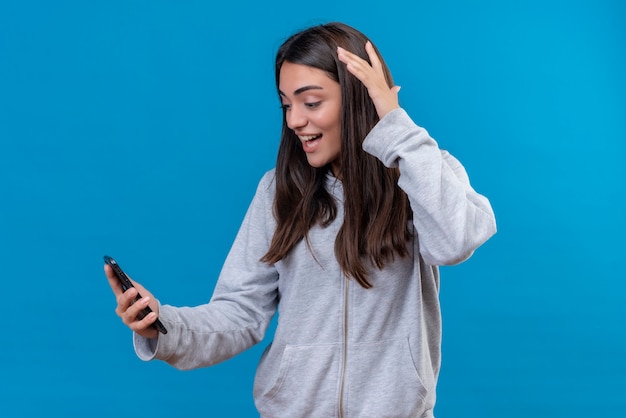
x=296, y=119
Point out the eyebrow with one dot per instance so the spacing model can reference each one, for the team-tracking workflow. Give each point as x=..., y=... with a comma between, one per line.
x=302, y=90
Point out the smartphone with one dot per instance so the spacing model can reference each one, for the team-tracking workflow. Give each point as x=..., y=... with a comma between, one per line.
x=126, y=283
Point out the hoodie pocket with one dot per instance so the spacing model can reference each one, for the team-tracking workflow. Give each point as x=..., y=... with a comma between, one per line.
x=305, y=385
x=382, y=381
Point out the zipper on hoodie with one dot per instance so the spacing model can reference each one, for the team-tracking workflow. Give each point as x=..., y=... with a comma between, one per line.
x=345, y=346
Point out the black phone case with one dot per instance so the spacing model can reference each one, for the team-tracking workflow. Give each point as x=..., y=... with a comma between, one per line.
x=126, y=284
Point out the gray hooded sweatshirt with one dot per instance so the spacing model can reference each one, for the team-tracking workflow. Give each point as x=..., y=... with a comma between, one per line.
x=339, y=350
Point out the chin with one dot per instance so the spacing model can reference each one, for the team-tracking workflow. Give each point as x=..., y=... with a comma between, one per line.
x=317, y=164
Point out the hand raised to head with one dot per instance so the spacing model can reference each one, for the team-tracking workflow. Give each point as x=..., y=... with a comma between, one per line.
x=373, y=78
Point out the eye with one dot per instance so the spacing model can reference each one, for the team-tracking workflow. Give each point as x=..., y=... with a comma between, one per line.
x=313, y=105
x=285, y=106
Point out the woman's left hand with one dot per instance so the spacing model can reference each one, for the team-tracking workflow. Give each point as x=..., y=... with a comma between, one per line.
x=373, y=78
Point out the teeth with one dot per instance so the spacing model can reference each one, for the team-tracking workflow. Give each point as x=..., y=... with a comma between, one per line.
x=307, y=137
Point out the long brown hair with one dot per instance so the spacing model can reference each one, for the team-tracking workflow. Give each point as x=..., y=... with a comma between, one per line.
x=376, y=211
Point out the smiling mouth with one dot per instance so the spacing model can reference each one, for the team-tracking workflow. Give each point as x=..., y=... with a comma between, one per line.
x=307, y=138
x=310, y=142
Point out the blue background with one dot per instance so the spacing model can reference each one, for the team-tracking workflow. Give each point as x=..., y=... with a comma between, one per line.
x=140, y=129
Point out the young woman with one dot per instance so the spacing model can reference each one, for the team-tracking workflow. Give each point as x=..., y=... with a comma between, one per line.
x=344, y=238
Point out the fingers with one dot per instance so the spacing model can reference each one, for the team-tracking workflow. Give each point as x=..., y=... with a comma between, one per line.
x=373, y=56
x=373, y=78
x=124, y=302
x=363, y=70
x=130, y=310
x=115, y=284
x=356, y=65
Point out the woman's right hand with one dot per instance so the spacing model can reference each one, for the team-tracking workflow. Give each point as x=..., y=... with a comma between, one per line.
x=128, y=309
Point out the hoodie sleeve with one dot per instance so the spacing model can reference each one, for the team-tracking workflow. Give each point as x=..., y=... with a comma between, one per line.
x=451, y=219
x=242, y=305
